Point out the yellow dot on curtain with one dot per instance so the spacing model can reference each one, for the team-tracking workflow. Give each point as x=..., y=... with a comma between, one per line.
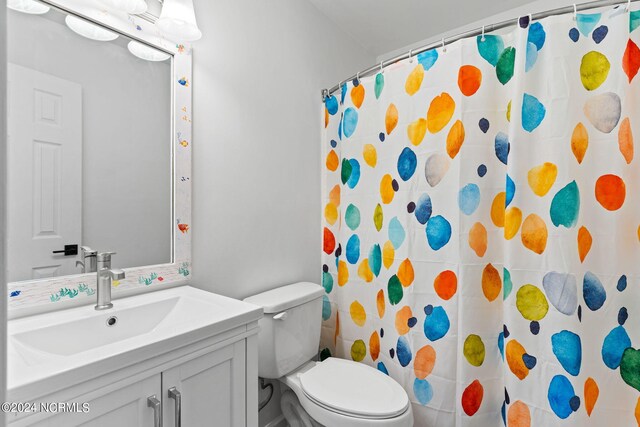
x=388, y=254
x=378, y=217
x=358, y=351
x=357, y=95
x=370, y=155
x=591, y=393
x=402, y=320
x=594, y=70
x=374, y=345
x=473, y=350
x=343, y=273
x=512, y=221
x=380, y=303
x=541, y=178
x=334, y=195
x=584, y=242
x=498, y=208
x=405, y=273
x=440, y=112
x=358, y=315
x=414, y=80
x=386, y=189
x=491, y=282
x=509, y=111
x=534, y=234
x=331, y=213
x=532, y=303
x=326, y=117
x=391, y=118
x=513, y=353
x=364, y=271
x=455, y=138
x=625, y=140
x=579, y=142
x=337, y=332
x=518, y=415
x=478, y=239
x=424, y=362
x=332, y=161
x=417, y=130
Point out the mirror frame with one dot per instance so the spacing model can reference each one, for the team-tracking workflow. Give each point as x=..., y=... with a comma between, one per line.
x=35, y=296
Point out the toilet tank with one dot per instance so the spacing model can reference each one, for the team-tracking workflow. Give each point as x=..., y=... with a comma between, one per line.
x=290, y=328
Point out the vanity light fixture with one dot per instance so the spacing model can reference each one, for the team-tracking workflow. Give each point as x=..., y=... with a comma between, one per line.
x=133, y=7
x=89, y=30
x=28, y=6
x=178, y=21
x=145, y=52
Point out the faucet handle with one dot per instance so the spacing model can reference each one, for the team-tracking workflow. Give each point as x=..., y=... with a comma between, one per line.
x=105, y=256
x=117, y=274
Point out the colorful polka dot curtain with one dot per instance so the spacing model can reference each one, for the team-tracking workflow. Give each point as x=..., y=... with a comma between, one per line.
x=481, y=209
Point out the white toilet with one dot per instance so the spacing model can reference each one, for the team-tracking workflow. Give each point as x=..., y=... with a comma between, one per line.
x=335, y=392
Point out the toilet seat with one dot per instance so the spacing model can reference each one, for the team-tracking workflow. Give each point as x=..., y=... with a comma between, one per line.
x=324, y=406
x=354, y=389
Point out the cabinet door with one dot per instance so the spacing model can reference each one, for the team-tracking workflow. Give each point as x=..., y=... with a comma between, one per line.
x=212, y=389
x=125, y=407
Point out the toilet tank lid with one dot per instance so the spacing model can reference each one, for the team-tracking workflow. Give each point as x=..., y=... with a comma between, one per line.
x=286, y=297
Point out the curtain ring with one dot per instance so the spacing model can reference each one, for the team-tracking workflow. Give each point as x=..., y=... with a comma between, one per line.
x=358, y=77
x=381, y=69
x=411, y=56
x=444, y=49
x=628, y=5
x=482, y=38
x=575, y=12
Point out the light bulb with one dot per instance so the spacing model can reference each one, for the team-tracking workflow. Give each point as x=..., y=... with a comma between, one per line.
x=145, y=52
x=28, y=6
x=178, y=20
x=89, y=30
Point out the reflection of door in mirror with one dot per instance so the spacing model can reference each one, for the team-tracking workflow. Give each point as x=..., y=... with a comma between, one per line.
x=44, y=173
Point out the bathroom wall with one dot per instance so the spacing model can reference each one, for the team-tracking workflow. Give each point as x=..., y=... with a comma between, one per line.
x=126, y=135
x=258, y=72
x=3, y=176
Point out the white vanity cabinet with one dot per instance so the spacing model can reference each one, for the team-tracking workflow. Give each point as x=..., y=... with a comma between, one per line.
x=207, y=373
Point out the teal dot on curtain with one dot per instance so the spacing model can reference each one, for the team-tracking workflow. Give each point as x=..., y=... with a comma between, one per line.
x=407, y=162
x=634, y=20
x=510, y=191
x=375, y=259
x=565, y=206
x=354, y=176
x=506, y=65
x=501, y=344
x=326, y=308
x=352, y=217
x=438, y=232
x=507, y=284
x=423, y=391
x=469, y=198
x=587, y=22
x=379, y=84
x=327, y=282
x=436, y=324
x=490, y=48
x=531, y=58
x=537, y=35
x=396, y=233
x=332, y=104
x=382, y=368
x=428, y=59
x=567, y=348
x=614, y=344
x=560, y=394
x=350, y=121
x=533, y=112
x=353, y=249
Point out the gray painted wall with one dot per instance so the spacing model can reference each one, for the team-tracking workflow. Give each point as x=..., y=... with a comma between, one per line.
x=126, y=135
x=258, y=72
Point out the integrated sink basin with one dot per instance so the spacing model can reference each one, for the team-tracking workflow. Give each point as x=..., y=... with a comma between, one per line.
x=82, y=342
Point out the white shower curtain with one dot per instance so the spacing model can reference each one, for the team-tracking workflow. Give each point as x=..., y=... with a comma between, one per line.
x=481, y=225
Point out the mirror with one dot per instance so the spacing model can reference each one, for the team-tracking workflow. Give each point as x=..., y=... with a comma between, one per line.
x=90, y=159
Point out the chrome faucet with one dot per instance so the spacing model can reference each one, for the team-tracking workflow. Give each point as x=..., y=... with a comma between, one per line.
x=105, y=277
x=88, y=262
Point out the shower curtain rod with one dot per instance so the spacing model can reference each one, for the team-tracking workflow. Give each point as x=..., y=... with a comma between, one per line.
x=474, y=33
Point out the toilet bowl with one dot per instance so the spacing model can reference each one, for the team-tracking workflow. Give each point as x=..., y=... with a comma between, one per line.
x=334, y=392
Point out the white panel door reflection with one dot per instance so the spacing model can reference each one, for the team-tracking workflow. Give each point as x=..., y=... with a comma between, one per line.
x=44, y=173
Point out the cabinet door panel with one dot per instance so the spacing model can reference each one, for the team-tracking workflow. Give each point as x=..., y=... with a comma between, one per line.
x=212, y=387
x=125, y=407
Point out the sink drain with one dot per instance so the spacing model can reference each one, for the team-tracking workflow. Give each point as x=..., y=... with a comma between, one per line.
x=112, y=321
